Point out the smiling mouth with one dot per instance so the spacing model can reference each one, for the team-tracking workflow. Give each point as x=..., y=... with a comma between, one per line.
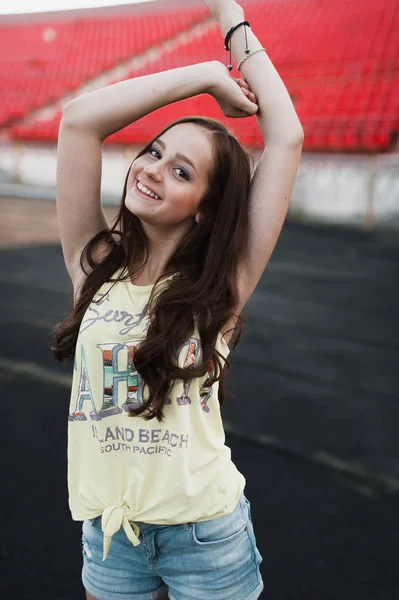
x=147, y=196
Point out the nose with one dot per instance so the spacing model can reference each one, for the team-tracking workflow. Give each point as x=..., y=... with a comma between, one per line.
x=153, y=171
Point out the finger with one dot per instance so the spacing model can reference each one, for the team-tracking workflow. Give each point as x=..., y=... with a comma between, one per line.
x=243, y=83
x=248, y=113
x=250, y=107
x=250, y=96
x=248, y=92
x=254, y=105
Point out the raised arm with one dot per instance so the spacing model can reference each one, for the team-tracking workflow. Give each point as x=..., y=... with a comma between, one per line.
x=282, y=133
x=109, y=109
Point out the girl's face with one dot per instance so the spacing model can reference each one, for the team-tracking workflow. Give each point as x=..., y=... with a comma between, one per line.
x=175, y=169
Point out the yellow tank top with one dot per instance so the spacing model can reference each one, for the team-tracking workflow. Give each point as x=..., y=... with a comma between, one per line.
x=125, y=468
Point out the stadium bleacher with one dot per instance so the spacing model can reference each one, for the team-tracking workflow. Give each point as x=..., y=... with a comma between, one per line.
x=344, y=81
x=43, y=62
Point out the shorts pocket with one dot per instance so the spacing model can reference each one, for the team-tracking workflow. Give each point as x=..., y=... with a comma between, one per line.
x=221, y=530
x=89, y=538
x=256, y=554
x=248, y=505
x=86, y=548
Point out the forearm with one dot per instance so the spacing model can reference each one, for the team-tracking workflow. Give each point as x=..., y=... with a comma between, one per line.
x=107, y=110
x=277, y=118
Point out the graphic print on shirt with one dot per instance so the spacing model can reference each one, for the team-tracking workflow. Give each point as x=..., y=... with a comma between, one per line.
x=117, y=365
x=130, y=322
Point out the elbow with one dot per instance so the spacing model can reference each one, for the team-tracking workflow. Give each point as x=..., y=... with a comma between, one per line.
x=296, y=141
x=297, y=137
x=69, y=111
x=70, y=118
x=76, y=119
x=288, y=137
x=74, y=114
x=300, y=137
x=291, y=142
x=74, y=109
x=297, y=134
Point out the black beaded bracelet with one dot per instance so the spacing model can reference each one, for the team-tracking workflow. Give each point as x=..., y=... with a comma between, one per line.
x=228, y=36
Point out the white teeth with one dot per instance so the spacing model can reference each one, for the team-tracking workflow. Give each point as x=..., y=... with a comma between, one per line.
x=142, y=188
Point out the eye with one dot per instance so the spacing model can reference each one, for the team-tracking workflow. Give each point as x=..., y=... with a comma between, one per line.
x=154, y=150
x=182, y=172
x=185, y=175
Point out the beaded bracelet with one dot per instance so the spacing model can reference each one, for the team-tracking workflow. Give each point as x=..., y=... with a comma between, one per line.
x=248, y=55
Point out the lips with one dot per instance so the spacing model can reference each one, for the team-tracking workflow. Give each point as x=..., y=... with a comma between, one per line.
x=148, y=188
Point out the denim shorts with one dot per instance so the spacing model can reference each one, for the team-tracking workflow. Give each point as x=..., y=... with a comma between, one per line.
x=217, y=559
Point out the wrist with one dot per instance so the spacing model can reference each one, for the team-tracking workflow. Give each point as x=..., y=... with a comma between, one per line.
x=216, y=73
x=192, y=80
x=212, y=73
x=229, y=18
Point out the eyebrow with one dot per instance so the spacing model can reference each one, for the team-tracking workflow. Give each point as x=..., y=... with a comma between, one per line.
x=178, y=154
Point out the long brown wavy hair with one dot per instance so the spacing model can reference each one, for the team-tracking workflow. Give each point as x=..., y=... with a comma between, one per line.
x=206, y=289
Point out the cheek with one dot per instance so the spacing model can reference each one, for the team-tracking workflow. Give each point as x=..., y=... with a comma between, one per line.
x=130, y=178
x=136, y=167
x=183, y=198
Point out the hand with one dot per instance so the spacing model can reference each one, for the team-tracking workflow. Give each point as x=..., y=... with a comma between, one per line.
x=218, y=6
x=233, y=95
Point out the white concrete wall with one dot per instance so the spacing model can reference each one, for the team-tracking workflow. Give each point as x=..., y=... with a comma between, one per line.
x=357, y=190
x=348, y=189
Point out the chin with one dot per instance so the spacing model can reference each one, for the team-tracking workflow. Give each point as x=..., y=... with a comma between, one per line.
x=138, y=211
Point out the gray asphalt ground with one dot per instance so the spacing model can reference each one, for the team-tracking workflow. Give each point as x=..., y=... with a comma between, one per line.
x=311, y=418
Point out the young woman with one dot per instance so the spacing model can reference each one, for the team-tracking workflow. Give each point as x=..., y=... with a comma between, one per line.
x=157, y=299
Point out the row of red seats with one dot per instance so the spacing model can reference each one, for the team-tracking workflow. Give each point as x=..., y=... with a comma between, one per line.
x=61, y=56
x=330, y=133
x=66, y=36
